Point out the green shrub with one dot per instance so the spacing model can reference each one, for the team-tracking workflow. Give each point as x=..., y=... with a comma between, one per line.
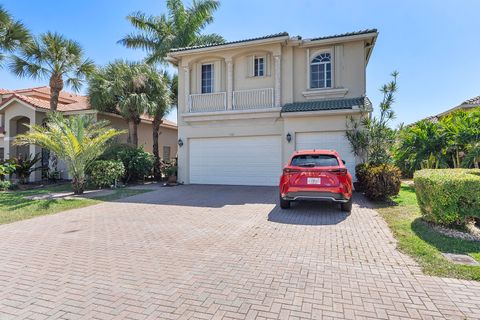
x=5, y=185
x=448, y=196
x=361, y=171
x=137, y=163
x=382, y=181
x=104, y=173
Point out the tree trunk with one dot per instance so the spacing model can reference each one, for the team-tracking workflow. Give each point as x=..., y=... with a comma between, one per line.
x=157, y=121
x=130, y=124
x=135, y=133
x=56, y=85
x=78, y=184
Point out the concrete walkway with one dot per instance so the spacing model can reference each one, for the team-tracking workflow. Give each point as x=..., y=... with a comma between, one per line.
x=212, y=252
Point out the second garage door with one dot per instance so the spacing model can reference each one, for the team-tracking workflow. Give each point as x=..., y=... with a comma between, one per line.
x=236, y=160
x=331, y=140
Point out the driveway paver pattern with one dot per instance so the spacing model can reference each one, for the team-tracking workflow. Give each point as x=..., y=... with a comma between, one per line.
x=218, y=252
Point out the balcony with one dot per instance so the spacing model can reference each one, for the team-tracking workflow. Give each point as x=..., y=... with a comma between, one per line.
x=241, y=100
x=253, y=99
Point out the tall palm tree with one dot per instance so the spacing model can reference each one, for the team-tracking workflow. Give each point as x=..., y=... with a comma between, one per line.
x=54, y=57
x=180, y=27
x=158, y=91
x=122, y=87
x=78, y=140
x=13, y=33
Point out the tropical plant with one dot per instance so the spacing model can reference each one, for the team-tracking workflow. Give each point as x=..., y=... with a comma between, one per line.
x=52, y=56
x=371, y=138
x=158, y=92
x=77, y=140
x=25, y=166
x=136, y=161
x=127, y=89
x=13, y=33
x=450, y=142
x=104, y=173
x=6, y=168
x=180, y=27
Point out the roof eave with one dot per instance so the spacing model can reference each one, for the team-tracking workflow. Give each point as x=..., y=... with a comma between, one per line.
x=174, y=54
x=349, y=38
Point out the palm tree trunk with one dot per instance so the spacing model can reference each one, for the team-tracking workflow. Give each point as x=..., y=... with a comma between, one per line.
x=135, y=134
x=56, y=85
x=131, y=125
x=157, y=121
x=78, y=184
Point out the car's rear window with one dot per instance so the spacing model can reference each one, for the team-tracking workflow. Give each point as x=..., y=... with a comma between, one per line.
x=314, y=160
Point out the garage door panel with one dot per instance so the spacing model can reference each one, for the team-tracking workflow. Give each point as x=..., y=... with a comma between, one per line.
x=330, y=140
x=236, y=160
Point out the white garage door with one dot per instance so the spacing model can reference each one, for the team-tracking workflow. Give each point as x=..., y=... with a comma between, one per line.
x=328, y=140
x=236, y=160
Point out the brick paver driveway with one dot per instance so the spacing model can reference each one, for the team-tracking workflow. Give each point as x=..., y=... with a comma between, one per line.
x=211, y=252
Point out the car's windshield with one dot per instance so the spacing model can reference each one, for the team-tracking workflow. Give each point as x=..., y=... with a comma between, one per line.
x=314, y=160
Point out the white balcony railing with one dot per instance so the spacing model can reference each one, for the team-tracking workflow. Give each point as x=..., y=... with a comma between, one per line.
x=206, y=102
x=253, y=99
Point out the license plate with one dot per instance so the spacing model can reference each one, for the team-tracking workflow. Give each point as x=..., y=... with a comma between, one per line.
x=313, y=181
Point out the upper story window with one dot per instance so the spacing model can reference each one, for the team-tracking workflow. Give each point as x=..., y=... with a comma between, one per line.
x=321, y=71
x=207, y=78
x=259, y=66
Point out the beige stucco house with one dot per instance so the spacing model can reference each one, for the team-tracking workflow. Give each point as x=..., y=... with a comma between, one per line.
x=466, y=105
x=30, y=106
x=245, y=106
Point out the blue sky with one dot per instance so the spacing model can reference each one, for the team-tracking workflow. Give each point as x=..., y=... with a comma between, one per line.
x=433, y=44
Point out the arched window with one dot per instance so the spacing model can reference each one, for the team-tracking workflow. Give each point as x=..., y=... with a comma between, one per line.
x=321, y=71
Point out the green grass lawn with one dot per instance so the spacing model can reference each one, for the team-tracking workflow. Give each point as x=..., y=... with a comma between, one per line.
x=14, y=207
x=422, y=243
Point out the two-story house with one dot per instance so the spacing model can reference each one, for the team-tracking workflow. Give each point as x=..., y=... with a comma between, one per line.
x=245, y=106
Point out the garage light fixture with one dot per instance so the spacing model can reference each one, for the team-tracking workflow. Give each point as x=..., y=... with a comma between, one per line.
x=289, y=137
x=180, y=142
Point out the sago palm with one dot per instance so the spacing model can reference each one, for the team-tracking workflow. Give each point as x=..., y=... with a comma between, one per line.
x=13, y=33
x=77, y=140
x=180, y=27
x=52, y=56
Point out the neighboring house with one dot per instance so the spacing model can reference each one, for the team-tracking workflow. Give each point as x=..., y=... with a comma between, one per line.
x=30, y=106
x=245, y=106
x=465, y=106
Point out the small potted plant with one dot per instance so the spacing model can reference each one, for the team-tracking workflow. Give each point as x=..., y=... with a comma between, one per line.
x=171, y=173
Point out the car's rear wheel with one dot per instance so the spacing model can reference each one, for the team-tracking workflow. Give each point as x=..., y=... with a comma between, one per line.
x=347, y=206
x=284, y=204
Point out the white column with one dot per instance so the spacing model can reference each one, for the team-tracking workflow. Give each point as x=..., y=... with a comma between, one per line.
x=187, y=88
x=229, y=84
x=277, y=81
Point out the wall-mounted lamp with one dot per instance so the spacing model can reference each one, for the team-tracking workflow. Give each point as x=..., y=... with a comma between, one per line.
x=180, y=143
x=289, y=137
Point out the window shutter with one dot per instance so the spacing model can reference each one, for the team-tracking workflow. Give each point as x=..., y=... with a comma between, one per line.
x=268, y=65
x=250, y=66
x=217, y=76
x=198, y=78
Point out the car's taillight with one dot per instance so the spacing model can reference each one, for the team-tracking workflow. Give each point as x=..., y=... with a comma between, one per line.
x=290, y=171
x=339, y=172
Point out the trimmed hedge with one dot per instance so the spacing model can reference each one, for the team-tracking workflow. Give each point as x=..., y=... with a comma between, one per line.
x=104, y=173
x=448, y=196
x=382, y=181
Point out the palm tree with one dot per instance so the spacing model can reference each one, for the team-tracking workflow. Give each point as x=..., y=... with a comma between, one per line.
x=122, y=87
x=78, y=140
x=13, y=33
x=52, y=56
x=158, y=91
x=180, y=27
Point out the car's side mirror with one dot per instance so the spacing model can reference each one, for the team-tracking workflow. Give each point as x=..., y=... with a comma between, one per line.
x=344, y=162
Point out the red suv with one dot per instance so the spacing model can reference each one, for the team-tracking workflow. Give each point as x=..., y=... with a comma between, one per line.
x=316, y=175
